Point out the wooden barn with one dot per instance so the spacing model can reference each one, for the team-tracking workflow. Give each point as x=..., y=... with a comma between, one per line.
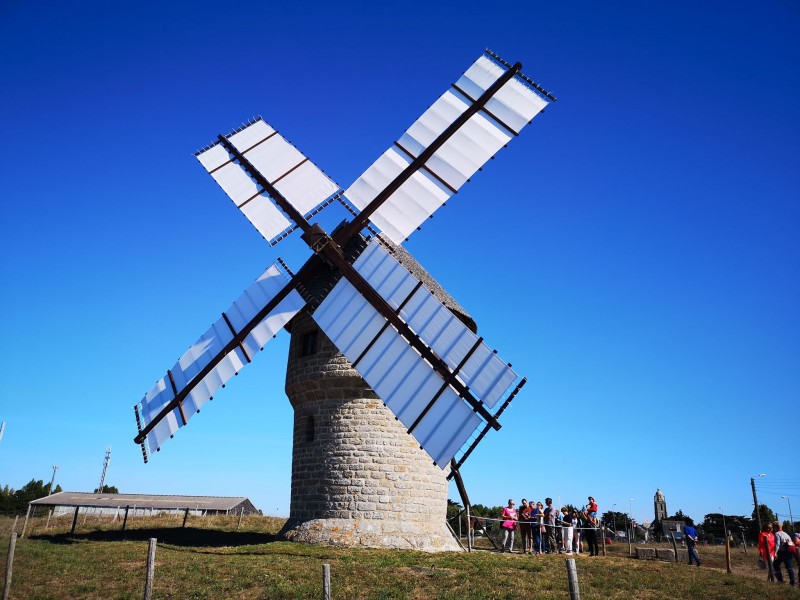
x=143, y=504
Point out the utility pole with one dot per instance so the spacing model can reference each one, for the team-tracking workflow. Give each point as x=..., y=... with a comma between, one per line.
x=105, y=468
x=2, y=429
x=53, y=480
x=791, y=516
x=755, y=502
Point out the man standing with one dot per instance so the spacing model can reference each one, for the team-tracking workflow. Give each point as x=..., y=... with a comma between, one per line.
x=690, y=533
x=550, y=516
x=525, y=526
x=590, y=533
x=783, y=554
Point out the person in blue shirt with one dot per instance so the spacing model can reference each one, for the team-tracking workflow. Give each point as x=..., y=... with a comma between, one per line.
x=690, y=535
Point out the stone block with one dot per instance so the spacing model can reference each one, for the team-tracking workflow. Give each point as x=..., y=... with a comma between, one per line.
x=646, y=553
x=667, y=554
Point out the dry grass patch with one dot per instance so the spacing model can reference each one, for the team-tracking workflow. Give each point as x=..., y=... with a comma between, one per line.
x=212, y=559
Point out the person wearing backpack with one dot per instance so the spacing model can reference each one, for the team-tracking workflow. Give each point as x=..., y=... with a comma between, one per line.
x=783, y=553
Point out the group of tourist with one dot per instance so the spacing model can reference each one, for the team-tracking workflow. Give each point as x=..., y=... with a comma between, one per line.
x=777, y=549
x=544, y=529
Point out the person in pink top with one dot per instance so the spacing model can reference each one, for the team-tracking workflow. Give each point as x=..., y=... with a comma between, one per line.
x=509, y=525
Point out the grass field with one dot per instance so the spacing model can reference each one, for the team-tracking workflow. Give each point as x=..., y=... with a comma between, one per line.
x=210, y=558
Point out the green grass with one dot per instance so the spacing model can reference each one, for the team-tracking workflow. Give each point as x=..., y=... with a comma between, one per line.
x=211, y=559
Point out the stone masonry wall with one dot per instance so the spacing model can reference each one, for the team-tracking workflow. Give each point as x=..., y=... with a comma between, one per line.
x=358, y=478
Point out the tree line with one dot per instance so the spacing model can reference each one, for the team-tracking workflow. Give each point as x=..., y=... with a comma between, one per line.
x=16, y=501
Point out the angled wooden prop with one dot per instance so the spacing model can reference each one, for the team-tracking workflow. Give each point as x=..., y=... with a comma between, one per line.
x=438, y=378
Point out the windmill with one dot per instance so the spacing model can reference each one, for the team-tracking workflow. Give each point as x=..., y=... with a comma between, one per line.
x=361, y=307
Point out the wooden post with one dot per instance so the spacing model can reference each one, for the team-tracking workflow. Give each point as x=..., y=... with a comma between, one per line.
x=326, y=581
x=25, y=524
x=744, y=542
x=241, y=514
x=572, y=579
x=469, y=530
x=49, y=516
x=728, y=555
x=14, y=526
x=125, y=520
x=630, y=537
x=75, y=519
x=9, y=564
x=459, y=523
x=151, y=569
x=674, y=545
x=603, y=530
x=185, y=516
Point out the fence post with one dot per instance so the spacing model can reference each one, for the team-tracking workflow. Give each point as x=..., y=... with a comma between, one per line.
x=151, y=569
x=125, y=520
x=469, y=530
x=25, y=524
x=241, y=514
x=674, y=545
x=9, y=563
x=75, y=519
x=49, y=516
x=572, y=579
x=728, y=555
x=326, y=581
x=630, y=538
x=14, y=526
x=744, y=542
x=185, y=516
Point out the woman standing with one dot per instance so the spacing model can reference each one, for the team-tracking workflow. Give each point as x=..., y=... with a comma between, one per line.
x=766, y=547
x=537, y=526
x=509, y=525
x=566, y=530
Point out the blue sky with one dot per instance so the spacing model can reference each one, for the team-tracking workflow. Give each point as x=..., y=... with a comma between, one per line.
x=634, y=253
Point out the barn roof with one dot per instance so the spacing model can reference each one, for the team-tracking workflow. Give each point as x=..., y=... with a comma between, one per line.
x=141, y=501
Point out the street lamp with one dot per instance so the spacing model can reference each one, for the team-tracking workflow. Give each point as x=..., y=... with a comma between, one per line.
x=614, y=517
x=791, y=517
x=630, y=520
x=630, y=513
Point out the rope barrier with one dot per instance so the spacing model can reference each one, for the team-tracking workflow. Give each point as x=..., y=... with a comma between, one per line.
x=518, y=522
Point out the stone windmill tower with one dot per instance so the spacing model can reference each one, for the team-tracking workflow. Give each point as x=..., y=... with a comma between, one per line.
x=358, y=478
x=371, y=456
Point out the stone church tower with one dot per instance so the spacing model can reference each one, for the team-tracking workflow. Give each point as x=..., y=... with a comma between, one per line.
x=358, y=478
x=660, y=504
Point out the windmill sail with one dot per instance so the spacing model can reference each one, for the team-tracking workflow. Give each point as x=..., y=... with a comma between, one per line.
x=229, y=344
x=418, y=395
x=425, y=187
x=299, y=180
